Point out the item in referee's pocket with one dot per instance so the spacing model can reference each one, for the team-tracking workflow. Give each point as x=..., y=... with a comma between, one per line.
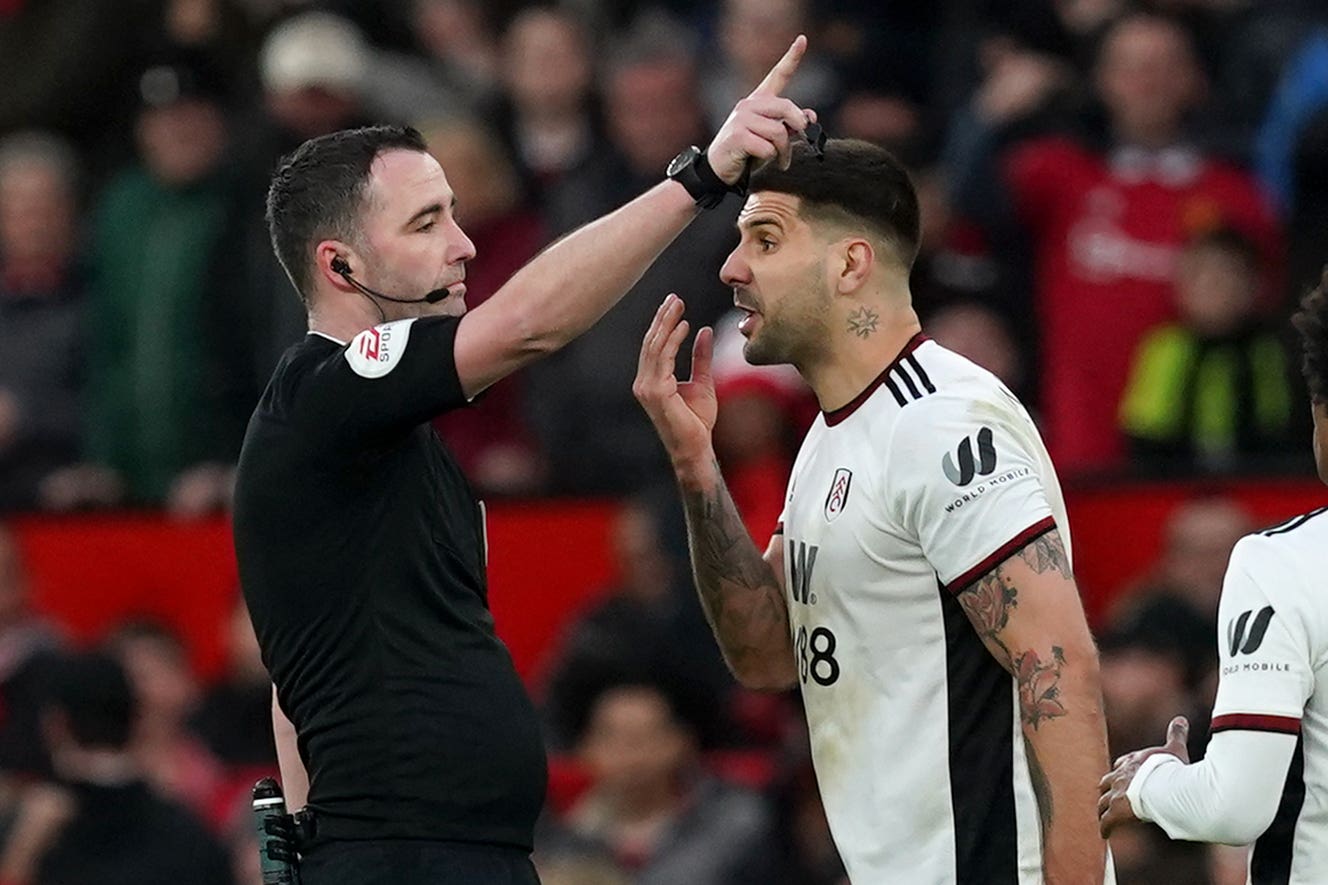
x=276, y=835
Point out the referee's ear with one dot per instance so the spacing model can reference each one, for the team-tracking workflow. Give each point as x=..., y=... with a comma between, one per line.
x=333, y=259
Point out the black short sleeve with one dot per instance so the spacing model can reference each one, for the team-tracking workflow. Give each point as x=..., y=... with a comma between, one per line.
x=386, y=381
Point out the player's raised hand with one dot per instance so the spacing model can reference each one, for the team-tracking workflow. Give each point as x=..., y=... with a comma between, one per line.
x=684, y=412
x=1113, y=806
x=760, y=125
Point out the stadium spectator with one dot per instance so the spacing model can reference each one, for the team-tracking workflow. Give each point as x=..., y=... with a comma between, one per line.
x=649, y=807
x=803, y=850
x=172, y=758
x=645, y=622
x=752, y=35
x=159, y=426
x=453, y=73
x=491, y=440
x=234, y=718
x=1197, y=540
x=547, y=114
x=313, y=68
x=101, y=822
x=29, y=646
x=63, y=66
x=42, y=298
x=976, y=331
x=592, y=431
x=1107, y=217
x=1212, y=390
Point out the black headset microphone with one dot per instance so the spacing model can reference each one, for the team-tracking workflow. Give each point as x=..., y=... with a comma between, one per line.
x=340, y=266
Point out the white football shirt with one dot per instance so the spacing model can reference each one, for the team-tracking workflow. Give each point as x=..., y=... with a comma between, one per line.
x=1273, y=697
x=930, y=478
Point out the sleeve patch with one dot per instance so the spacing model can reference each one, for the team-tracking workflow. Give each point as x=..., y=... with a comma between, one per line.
x=376, y=351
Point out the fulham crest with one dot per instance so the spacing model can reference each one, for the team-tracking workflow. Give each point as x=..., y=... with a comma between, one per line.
x=837, y=500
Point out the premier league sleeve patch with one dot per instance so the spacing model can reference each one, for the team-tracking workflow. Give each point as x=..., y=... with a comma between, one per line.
x=376, y=351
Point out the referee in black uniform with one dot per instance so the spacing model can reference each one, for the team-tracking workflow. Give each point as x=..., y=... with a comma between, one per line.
x=361, y=548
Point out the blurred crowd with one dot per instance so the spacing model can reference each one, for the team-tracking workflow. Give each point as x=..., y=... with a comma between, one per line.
x=1121, y=201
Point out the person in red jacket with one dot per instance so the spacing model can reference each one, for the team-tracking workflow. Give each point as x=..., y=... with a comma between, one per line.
x=1108, y=221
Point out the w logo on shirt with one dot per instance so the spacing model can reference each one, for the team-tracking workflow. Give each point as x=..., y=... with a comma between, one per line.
x=962, y=471
x=1238, y=641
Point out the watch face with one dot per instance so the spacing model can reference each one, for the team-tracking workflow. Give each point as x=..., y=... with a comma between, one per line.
x=682, y=161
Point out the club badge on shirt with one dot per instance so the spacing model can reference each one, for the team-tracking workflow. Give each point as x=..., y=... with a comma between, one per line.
x=837, y=500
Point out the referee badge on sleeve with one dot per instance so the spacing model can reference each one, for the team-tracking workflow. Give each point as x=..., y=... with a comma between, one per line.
x=376, y=351
x=837, y=499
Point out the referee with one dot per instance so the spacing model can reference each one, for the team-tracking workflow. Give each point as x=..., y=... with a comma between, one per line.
x=362, y=549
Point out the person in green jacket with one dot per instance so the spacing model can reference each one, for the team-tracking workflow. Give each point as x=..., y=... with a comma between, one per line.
x=157, y=427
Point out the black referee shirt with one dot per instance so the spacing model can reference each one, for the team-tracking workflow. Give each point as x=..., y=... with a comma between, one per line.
x=362, y=558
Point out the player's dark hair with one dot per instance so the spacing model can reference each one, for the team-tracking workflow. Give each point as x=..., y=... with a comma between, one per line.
x=1311, y=321
x=856, y=184
x=93, y=693
x=318, y=192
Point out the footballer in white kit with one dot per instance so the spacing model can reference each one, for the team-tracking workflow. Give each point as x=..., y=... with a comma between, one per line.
x=1264, y=775
x=898, y=501
x=919, y=588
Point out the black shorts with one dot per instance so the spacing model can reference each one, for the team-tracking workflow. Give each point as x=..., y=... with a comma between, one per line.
x=413, y=862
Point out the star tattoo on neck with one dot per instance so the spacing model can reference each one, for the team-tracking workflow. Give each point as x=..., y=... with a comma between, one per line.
x=862, y=322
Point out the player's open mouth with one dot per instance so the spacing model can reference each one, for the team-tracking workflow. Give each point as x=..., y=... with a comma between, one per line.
x=748, y=321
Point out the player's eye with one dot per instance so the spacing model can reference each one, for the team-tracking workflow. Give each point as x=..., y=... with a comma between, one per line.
x=427, y=226
x=765, y=244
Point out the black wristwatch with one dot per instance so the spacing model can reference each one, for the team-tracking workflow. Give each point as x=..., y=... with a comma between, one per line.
x=692, y=170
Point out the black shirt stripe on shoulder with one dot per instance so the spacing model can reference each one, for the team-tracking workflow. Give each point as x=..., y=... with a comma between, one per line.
x=913, y=363
x=908, y=382
x=840, y=414
x=899, y=397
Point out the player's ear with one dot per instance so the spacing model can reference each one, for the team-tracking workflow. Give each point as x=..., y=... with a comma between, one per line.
x=857, y=258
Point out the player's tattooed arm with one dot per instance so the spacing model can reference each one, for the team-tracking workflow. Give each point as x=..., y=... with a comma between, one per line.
x=1026, y=610
x=741, y=592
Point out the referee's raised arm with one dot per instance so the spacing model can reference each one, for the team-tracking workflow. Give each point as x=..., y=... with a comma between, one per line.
x=574, y=282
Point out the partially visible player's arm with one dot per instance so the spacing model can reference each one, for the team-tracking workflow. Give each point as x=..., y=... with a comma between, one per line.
x=1266, y=652
x=574, y=282
x=1028, y=613
x=294, y=779
x=1229, y=797
x=741, y=591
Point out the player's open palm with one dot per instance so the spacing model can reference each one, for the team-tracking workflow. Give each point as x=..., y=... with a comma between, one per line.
x=683, y=412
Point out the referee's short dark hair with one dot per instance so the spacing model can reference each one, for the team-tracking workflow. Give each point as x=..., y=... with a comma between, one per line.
x=318, y=192
x=1311, y=321
x=855, y=184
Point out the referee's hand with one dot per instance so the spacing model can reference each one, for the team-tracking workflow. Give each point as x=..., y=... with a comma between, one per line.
x=1113, y=805
x=759, y=126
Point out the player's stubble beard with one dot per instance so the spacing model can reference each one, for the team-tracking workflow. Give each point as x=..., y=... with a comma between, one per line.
x=795, y=331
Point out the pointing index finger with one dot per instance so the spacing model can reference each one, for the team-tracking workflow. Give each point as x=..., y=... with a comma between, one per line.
x=783, y=71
